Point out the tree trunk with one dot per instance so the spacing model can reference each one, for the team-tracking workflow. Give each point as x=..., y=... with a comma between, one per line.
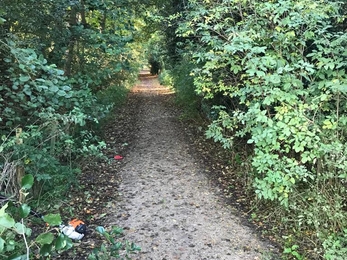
x=70, y=51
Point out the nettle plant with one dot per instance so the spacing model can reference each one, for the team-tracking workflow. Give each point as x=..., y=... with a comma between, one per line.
x=284, y=63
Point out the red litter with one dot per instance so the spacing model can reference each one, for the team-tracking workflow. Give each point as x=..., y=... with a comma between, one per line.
x=118, y=157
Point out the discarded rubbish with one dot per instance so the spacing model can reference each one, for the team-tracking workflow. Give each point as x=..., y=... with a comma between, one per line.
x=118, y=157
x=79, y=226
x=76, y=229
x=70, y=232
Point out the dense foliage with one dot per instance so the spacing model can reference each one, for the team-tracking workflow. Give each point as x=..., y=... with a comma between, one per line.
x=273, y=74
x=64, y=66
x=269, y=75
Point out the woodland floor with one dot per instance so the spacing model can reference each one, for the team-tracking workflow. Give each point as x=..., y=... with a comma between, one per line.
x=165, y=192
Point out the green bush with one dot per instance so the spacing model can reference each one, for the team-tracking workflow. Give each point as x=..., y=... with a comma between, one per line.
x=165, y=78
x=17, y=240
x=186, y=96
x=283, y=64
x=62, y=71
x=335, y=246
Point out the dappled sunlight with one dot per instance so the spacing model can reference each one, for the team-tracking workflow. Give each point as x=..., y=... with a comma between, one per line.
x=149, y=84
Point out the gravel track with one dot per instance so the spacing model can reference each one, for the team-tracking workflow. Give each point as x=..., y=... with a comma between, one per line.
x=167, y=203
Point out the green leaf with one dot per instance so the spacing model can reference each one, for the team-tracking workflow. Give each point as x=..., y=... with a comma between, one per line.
x=117, y=246
x=20, y=228
x=24, y=78
x=60, y=242
x=53, y=219
x=2, y=210
x=61, y=93
x=100, y=229
x=54, y=88
x=290, y=34
x=135, y=247
x=2, y=245
x=28, y=231
x=250, y=141
x=260, y=73
x=46, y=250
x=275, y=79
x=117, y=230
x=292, y=180
x=27, y=181
x=66, y=88
x=6, y=221
x=19, y=257
x=45, y=238
x=27, y=91
x=24, y=210
x=63, y=242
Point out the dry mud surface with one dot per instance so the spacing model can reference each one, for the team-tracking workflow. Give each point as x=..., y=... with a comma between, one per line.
x=166, y=201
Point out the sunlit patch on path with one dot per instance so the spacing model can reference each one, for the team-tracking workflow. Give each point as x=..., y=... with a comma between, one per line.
x=149, y=84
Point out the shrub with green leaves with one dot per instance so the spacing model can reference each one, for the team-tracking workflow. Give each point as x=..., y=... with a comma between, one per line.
x=17, y=240
x=186, y=97
x=165, y=78
x=284, y=62
x=58, y=60
x=52, y=114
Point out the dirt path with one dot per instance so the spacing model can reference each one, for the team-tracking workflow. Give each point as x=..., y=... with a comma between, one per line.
x=167, y=204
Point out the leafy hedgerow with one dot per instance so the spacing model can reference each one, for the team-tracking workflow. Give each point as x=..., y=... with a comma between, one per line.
x=284, y=64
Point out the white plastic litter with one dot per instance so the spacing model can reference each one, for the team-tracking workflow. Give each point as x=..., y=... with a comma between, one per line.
x=70, y=232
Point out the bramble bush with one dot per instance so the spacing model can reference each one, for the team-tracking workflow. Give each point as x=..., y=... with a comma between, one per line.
x=284, y=64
